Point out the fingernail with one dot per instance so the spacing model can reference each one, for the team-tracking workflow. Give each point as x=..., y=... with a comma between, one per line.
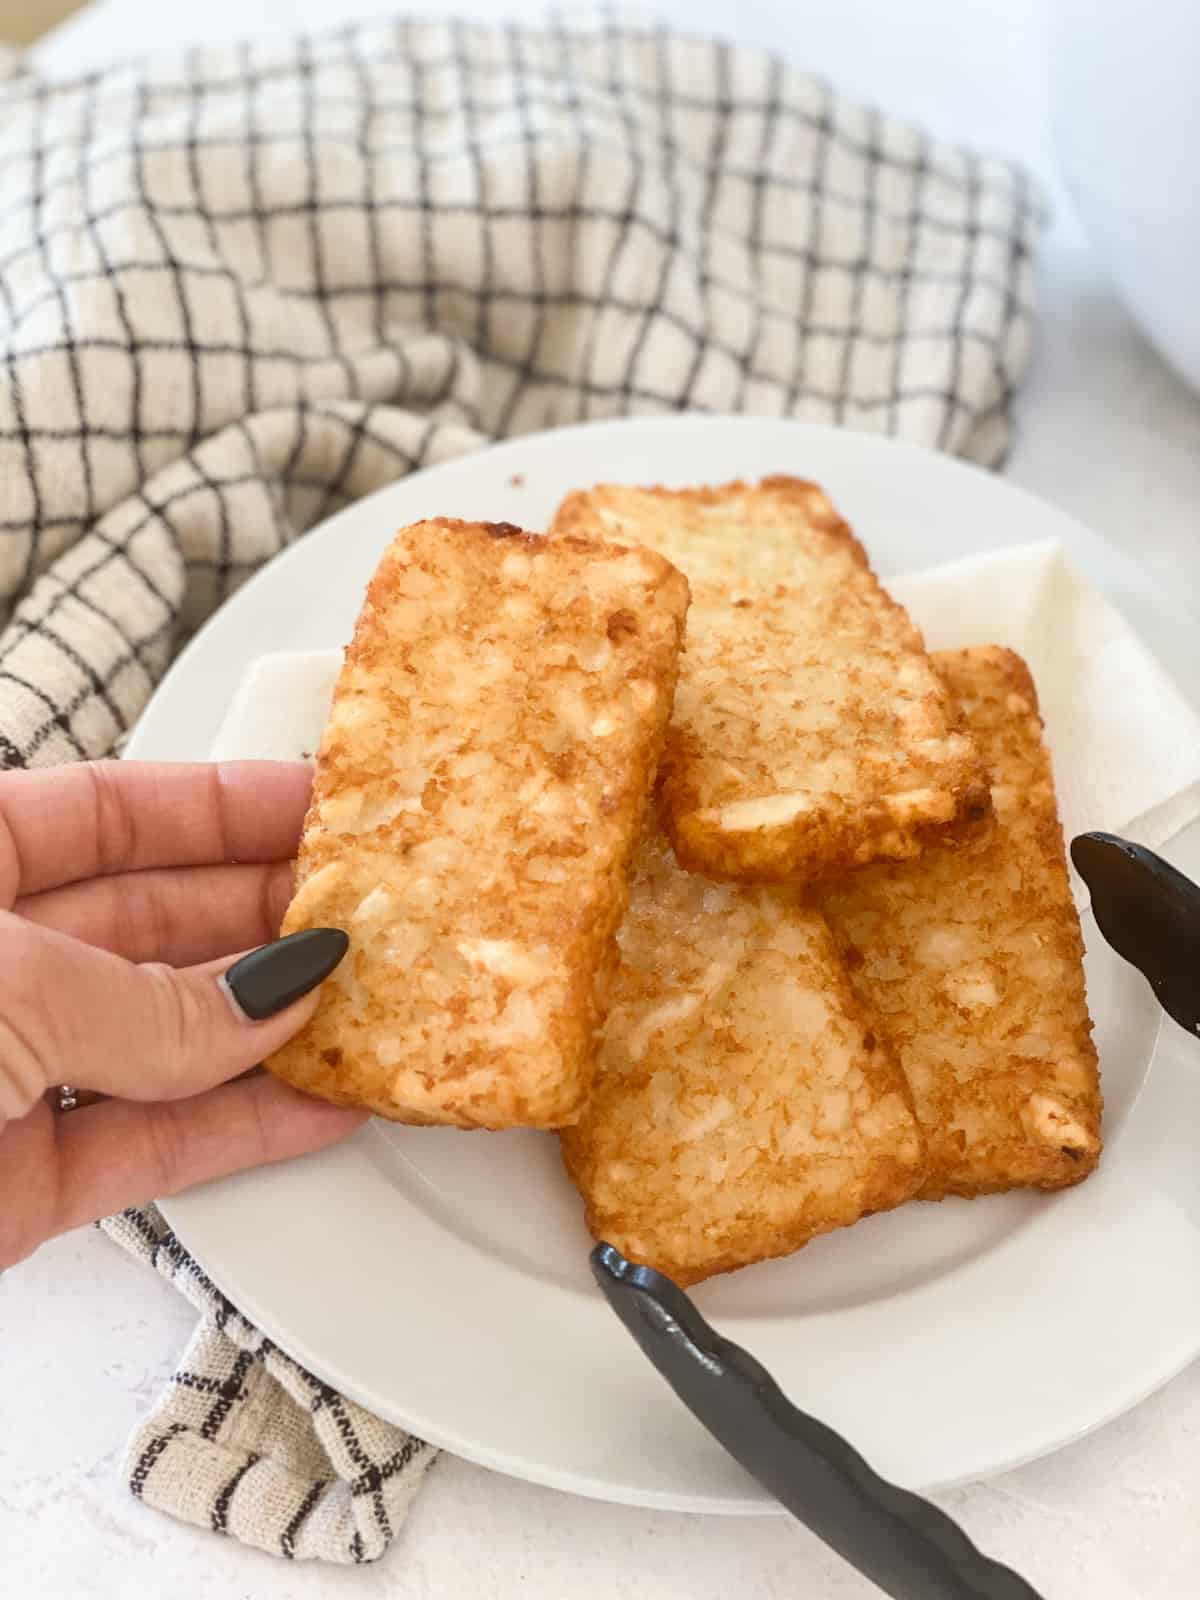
x=271, y=978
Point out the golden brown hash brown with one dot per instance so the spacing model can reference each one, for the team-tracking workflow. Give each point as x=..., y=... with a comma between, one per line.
x=741, y=1104
x=480, y=789
x=971, y=960
x=810, y=732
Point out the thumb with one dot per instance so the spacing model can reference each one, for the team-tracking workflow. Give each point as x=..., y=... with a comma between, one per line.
x=70, y=1013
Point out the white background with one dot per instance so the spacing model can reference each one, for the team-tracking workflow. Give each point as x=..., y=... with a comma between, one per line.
x=87, y=1337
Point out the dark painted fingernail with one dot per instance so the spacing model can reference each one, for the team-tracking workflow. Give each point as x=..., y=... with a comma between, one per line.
x=271, y=978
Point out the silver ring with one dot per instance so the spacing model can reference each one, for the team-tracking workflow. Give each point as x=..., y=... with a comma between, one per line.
x=68, y=1098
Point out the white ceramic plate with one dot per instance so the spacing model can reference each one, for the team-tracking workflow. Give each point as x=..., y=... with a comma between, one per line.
x=441, y=1278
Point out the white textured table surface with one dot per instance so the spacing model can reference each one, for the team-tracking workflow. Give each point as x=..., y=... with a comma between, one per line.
x=87, y=1337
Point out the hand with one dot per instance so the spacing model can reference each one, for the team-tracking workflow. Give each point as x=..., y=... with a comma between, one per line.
x=105, y=867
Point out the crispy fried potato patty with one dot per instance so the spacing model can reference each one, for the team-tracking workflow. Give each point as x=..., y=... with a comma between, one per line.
x=480, y=789
x=810, y=733
x=741, y=1102
x=971, y=960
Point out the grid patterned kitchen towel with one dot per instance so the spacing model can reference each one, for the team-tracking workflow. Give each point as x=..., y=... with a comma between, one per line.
x=246, y=1442
x=240, y=287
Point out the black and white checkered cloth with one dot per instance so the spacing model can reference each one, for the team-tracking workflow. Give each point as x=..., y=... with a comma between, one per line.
x=241, y=287
x=246, y=1442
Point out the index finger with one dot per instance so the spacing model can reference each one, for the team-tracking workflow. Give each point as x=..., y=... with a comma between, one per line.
x=63, y=824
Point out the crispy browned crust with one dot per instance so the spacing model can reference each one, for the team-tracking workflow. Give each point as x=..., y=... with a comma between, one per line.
x=971, y=960
x=479, y=791
x=742, y=1103
x=810, y=734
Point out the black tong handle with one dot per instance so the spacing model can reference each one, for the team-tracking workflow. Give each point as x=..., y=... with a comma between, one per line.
x=901, y=1542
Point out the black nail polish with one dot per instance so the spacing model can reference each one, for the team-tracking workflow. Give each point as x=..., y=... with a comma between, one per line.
x=272, y=977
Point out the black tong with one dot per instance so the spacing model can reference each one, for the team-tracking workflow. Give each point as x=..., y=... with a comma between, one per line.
x=1150, y=913
x=902, y=1542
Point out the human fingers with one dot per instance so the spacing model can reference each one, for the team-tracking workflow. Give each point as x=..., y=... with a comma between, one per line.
x=28, y=1183
x=59, y=1171
x=182, y=915
x=117, y=1154
x=65, y=824
x=70, y=1013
